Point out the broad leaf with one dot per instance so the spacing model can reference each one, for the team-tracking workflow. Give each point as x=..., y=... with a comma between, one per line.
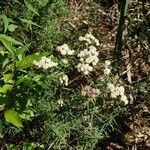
x=5, y=88
x=28, y=60
x=5, y=62
x=18, y=1
x=8, y=78
x=13, y=117
x=12, y=27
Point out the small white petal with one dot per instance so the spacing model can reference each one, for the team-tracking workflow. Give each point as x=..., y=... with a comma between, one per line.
x=63, y=52
x=124, y=99
x=113, y=95
x=107, y=63
x=110, y=86
x=107, y=71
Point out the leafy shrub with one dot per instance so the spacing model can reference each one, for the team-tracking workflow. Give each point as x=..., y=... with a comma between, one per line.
x=15, y=75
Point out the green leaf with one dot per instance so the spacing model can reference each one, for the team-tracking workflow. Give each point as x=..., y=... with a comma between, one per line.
x=2, y=107
x=1, y=129
x=5, y=88
x=5, y=62
x=30, y=7
x=29, y=22
x=27, y=114
x=28, y=60
x=23, y=49
x=10, y=39
x=37, y=78
x=8, y=46
x=13, y=117
x=27, y=81
x=12, y=27
x=8, y=78
x=17, y=1
x=6, y=22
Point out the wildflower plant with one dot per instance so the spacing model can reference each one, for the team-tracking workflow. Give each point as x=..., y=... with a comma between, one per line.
x=79, y=105
x=87, y=57
x=58, y=99
x=16, y=75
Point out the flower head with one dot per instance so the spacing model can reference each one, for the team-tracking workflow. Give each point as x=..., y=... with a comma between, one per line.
x=60, y=102
x=65, y=50
x=107, y=63
x=64, y=79
x=45, y=63
x=124, y=99
x=117, y=91
x=88, y=58
x=121, y=90
x=89, y=39
x=110, y=86
x=107, y=71
x=65, y=61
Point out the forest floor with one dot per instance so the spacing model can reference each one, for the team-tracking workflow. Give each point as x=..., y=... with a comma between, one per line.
x=103, y=21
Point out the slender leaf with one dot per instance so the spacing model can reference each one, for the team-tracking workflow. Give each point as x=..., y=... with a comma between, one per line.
x=10, y=39
x=29, y=22
x=23, y=49
x=8, y=46
x=1, y=129
x=30, y=7
x=6, y=22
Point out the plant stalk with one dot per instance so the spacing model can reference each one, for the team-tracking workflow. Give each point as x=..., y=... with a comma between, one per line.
x=119, y=39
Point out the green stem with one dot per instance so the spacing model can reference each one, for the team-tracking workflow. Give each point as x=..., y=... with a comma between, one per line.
x=119, y=43
x=13, y=92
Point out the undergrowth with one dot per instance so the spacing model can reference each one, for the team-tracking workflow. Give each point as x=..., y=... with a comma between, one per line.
x=60, y=85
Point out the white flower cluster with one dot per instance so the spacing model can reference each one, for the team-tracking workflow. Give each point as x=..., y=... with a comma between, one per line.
x=88, y=59
x=64, y=80
x=89, y=39
x=118, y=91
x=65, y=50
x=107, y=69
x=60, y=102
x=44, y=63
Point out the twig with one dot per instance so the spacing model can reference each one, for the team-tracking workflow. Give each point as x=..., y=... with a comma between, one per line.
x=129, y=66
